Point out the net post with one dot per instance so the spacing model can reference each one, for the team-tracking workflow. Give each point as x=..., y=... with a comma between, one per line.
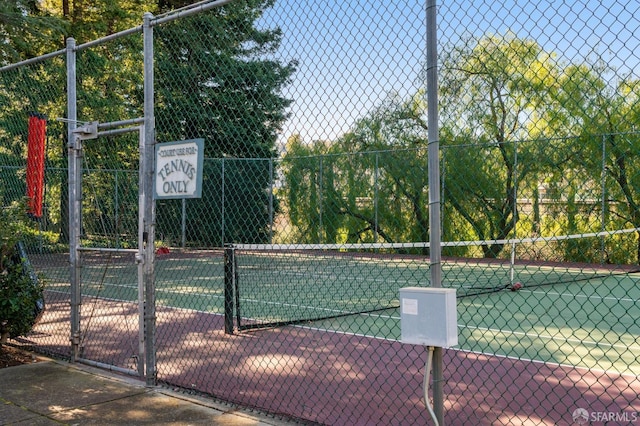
x=229, y=287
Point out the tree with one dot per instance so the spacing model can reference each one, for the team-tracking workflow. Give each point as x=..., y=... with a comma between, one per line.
x=87, y=20
x=600, y=111
x=26, y=30
x=109, y=87
x=396, y=132
x=491, y=94
x=312, y=202
x=216, y=80
x=371, y=185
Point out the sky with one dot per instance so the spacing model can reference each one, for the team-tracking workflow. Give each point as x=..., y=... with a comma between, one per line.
x=351, y=55
x=572, y=28
x=354, y=54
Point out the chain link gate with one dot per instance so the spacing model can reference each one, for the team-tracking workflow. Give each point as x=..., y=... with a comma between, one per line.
x=315, y=121
x=107, y=288
x=122, y=288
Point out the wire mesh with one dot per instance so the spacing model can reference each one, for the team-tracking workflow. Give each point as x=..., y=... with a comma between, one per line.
x=314, y=117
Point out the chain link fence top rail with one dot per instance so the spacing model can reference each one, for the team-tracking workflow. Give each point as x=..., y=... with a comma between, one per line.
x=278, y=289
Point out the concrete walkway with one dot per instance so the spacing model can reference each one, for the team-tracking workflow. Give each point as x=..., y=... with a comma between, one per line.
x=50, y=392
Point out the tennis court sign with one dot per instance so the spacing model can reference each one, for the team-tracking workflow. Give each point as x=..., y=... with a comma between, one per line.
x=179, y=169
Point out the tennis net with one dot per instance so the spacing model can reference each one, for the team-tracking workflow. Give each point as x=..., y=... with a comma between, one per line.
x=280, y=284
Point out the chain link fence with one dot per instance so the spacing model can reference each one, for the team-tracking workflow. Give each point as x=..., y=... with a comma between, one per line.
x=278, y=289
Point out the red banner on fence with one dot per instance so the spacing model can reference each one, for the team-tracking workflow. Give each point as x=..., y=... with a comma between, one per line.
x=35, y=162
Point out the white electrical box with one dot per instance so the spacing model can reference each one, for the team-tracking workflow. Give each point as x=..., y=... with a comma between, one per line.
x=428, y=316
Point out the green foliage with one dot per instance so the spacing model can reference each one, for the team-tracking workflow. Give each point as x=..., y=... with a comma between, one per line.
x=368, y=186
x=27, y=30
x=514, y=120
x=529, y=147
x=236, y=206
x=215, y=80
x=18, y=293
x=310, y=198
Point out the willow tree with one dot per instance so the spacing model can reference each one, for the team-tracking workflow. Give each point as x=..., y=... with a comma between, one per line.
x=599, y=110
x=310, y=198
x=491, y=92
x=371, y=184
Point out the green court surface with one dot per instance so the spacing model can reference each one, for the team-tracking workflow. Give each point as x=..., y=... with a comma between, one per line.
x=190, y=283
x=588, y=323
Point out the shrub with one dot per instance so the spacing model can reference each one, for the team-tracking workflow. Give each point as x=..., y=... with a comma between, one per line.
x=21, y=299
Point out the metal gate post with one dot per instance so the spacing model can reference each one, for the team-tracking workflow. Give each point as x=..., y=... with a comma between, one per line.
x=74, y=152
x=148, y=208
x=78, y=134
x=140, y=259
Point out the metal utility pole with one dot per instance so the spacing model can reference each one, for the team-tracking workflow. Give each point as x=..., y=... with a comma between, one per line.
x=434, y=188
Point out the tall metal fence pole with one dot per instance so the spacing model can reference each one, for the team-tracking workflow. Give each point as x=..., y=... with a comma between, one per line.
x=375, y=199
x=434, y=188
x=271, y=188
x=603, y=196
x=514, y=212
x=320, y=203
x=148, y=207
x=183, y=224
x=75, y=174
x=222, y=204
x=116, y=209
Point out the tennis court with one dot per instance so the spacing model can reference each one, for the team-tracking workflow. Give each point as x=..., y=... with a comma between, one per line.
x=552, y=348
x=579, y=316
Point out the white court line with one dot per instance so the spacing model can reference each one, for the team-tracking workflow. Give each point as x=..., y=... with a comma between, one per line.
x=533, y=335
x=583, y=296
x=584, y=368
x=496, y=331
x=552, y=338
